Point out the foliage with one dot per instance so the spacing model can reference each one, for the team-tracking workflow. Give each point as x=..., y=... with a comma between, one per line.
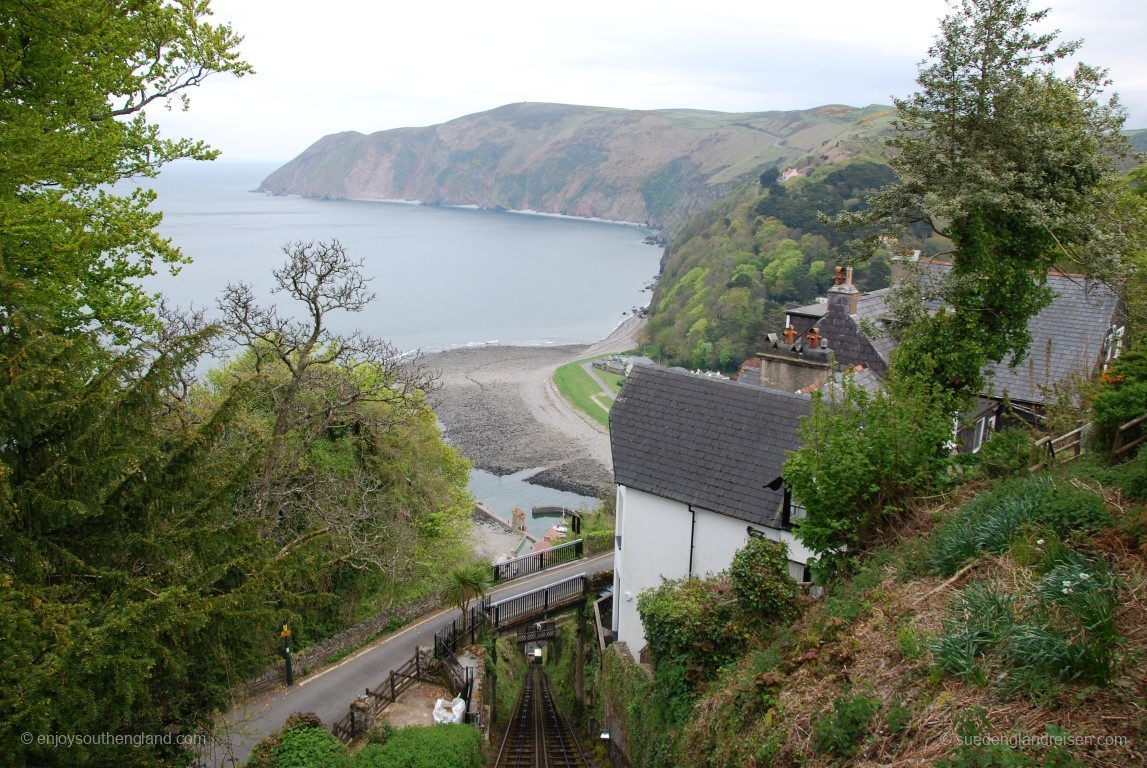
x=991, y=521
x=761, y=582
x=1061, y=628
x=1007, y=452
x=1122, y=394
x=842, y=731
x=1015, y=166
x=465, y=584
x=727, y=273
x=977, y=748
x=692, y=626
x=860, y=454
x=439, y=746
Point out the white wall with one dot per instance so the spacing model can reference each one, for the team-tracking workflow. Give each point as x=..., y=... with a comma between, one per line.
x=656, y=537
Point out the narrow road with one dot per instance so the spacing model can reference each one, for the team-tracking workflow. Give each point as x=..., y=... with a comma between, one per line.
x=329, y=692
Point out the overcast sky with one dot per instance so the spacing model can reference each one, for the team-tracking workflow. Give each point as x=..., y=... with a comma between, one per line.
x=338, y=65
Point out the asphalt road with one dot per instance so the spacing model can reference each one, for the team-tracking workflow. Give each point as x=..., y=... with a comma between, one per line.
x=329, y=692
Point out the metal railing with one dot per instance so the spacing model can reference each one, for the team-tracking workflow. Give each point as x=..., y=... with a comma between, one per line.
x=446, y=640
x=515, y=610
x=537, y=562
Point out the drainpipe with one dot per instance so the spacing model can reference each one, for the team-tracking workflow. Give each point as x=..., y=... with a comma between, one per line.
x=692, y=537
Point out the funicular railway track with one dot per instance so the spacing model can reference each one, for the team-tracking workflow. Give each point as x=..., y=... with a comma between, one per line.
x=539, y=736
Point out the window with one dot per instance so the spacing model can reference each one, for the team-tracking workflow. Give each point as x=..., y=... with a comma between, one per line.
x=984, y=427
x=1113, y=343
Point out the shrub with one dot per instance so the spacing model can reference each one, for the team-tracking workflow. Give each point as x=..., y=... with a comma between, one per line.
x=761, y=581
x=309, y=747
x=693, y=627
x=1008, y=452
x=438, y=746
x=1122, y=395
x=861, y=454
x=841, y=732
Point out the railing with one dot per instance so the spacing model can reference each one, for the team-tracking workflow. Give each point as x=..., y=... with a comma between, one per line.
x=1121, y=446
x=539, y=561
x=515, y=610
x=366, y=709
x=1057, y=450
x=446, y=640
x=546, y=631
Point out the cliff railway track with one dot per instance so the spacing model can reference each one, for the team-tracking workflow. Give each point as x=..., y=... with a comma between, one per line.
x=539, y=736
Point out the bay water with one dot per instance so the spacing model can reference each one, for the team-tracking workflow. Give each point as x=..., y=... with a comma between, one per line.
x=445, y=277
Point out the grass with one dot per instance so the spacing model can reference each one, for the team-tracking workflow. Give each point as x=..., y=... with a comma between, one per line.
x=579, y=389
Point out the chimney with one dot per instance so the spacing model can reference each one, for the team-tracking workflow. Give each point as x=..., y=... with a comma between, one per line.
x=842, y=296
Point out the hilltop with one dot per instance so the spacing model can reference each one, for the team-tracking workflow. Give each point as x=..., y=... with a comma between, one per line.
x=655, y=167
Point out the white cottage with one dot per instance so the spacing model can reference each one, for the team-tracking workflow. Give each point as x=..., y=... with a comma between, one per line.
x=697, y=462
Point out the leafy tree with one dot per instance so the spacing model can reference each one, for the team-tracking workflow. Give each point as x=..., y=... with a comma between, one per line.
x=465, y=584
x=130, y=591
x=861, y=455
x=321, y=385
x=1013, y=165
x=75, y=77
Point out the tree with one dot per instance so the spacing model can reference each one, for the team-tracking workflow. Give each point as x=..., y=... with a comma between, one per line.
x=1013, y=165
x=465, y=584
x=126, y=583
x=74, y=77
x=343, y=391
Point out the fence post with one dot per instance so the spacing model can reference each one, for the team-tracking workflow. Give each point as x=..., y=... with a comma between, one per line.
x=417, y=664
x=393, y=695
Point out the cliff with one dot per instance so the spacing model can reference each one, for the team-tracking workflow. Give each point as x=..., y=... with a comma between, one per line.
x=655, y=167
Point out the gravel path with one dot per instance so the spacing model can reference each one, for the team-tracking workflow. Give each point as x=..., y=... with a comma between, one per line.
x=499, y=405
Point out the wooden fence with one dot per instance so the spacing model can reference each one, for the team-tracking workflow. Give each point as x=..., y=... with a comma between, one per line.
x=1122, y=447
x=537, y=562
x=366, y=709
x=1058, y=450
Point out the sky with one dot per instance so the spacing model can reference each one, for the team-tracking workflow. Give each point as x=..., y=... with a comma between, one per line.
x=354, y=65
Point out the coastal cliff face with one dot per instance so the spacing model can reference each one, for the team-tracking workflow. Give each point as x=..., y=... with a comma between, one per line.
x=653, y=167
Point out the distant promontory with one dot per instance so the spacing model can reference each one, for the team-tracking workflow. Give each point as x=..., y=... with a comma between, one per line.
x=654, y=167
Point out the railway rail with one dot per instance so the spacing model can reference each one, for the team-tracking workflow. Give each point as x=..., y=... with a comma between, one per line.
x=539, y=735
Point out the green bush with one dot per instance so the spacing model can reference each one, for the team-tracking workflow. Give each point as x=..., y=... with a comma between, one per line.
x=438, y=746
x=1006, y=453
x=1123, y=394
x=841, y=732
x=760, y=575
x=862, y=454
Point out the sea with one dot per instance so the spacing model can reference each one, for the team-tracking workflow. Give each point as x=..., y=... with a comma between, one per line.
x=444, y=277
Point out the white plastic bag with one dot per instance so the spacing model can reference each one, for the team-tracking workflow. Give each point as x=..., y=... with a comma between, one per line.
x=449, y=711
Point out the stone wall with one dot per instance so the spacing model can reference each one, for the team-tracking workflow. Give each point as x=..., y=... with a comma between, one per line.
x=311, y=659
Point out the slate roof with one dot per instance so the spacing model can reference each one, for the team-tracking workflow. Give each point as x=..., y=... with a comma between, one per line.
x=711, y=443
x=1068, y=336
x=845, y=338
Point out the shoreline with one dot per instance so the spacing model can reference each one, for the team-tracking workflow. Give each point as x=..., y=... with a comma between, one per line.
x=470, y=207
x=499, y=406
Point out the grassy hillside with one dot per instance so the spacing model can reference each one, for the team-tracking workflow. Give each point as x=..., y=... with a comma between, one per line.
x=1004, y=624
x=732, y=269
x=658, y=167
